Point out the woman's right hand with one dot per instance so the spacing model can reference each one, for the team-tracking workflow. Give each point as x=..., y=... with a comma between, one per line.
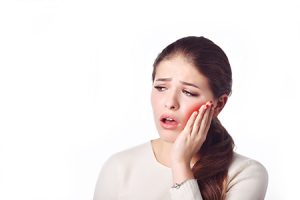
x=192, y=137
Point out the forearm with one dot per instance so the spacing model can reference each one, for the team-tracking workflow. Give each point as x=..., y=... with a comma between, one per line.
x=189, y=190
x=181, y=172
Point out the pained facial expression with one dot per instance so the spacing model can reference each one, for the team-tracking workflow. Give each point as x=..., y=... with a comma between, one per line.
x=178, y=90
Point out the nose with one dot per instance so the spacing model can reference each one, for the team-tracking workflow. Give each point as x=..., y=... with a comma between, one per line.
x=171, y=102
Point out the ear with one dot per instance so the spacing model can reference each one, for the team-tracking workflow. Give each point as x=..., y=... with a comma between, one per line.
x=219, y=104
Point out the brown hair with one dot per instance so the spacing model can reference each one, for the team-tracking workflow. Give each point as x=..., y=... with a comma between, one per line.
x=216, y=152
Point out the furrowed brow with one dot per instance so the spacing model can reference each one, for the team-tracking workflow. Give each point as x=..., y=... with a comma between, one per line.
x=183, y=82
x=163, y=79
x=190, y=84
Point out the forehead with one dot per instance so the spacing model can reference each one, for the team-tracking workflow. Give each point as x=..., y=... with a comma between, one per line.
x=178, y=67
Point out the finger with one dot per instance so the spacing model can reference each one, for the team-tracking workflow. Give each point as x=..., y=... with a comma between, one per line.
x=189, y=125
x=211, y=114
x=205, y=123
x=197, y=123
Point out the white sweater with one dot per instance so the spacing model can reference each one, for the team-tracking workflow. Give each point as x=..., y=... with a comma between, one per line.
x=135, y=174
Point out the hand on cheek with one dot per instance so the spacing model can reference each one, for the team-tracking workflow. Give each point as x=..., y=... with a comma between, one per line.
x=190, y=140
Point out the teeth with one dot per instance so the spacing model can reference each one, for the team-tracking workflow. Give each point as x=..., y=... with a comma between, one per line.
x=169, y=119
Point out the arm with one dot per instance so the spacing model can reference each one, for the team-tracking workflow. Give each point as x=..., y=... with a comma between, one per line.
x=107, y=183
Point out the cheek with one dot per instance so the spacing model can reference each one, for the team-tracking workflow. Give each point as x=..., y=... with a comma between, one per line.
x=153, y=99
x=155, y=102
x=191, y=109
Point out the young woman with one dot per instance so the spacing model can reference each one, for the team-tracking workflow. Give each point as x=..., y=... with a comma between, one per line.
x=193, y=158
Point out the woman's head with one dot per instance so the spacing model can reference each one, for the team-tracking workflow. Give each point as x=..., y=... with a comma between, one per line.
x=208, y=58
x=187, y=74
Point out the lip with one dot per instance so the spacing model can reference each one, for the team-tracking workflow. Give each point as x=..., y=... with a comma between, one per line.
x=170, y=126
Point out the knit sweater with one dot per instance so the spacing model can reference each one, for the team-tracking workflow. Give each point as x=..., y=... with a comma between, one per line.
x=135, y=174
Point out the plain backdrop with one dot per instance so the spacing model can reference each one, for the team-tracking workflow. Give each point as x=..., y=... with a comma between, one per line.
x=75, y=82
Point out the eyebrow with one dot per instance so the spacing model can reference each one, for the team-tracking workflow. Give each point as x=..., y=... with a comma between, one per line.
x=183, y=82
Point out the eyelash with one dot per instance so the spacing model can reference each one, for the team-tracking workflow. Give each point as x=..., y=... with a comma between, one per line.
x=190, y=94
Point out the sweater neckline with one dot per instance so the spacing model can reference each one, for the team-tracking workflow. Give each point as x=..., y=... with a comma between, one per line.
x=160, y=165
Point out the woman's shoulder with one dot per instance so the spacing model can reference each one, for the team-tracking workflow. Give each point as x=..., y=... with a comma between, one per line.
x=128, y=156
x=241, y=162
x=247, y=171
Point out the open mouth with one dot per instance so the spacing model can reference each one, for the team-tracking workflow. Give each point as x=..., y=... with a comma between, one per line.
x=168, y=122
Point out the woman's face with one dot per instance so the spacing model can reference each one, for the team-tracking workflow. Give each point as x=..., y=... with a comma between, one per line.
x=178, y=90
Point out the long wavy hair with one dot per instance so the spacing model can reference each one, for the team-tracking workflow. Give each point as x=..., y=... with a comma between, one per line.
x=216, y=153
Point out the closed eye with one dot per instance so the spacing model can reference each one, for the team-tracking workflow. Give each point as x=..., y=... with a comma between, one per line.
x=190, y=93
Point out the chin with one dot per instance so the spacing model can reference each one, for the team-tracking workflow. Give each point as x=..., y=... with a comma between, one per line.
x=168, y=136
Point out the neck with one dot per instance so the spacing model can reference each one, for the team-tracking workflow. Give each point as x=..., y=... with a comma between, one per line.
x=162, y=152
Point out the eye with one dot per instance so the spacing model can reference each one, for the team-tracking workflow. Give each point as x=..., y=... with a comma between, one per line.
x=190, y=93
x=160, y=88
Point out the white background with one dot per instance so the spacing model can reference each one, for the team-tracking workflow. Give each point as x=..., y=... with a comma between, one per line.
x=75, y=81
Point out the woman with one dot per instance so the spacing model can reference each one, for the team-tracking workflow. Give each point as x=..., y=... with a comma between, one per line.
x=193, y=158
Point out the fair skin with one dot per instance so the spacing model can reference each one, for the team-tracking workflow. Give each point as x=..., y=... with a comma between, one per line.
x=183, y=106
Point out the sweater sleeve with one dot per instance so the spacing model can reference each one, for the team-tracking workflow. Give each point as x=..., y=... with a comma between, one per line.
x=107, y=184
x=249, y=182
x=187, y=191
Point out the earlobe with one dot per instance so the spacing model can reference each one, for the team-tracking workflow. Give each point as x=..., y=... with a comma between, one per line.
x=221, y=102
